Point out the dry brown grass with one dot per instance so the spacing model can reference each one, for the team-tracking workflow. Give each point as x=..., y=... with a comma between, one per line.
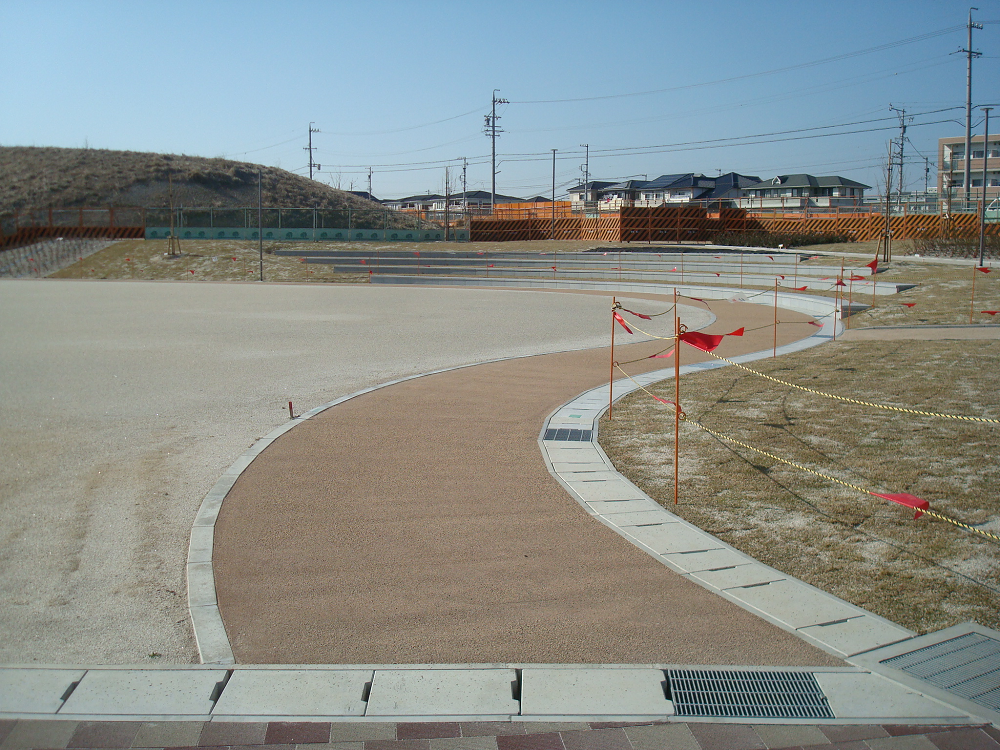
x=923, y=574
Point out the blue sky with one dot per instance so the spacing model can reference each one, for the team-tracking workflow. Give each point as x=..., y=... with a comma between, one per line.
x=402, y=87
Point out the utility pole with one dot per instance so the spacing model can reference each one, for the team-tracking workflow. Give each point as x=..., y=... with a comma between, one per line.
x=370, y=183
x=586, y=173
x=465, y=188
x=260, y=224
x=986, y=158
x=927, y=174
x=309, y=148
x=492, y=130
x=552, y=231
x=447, y=200
x=902, y=140
x=886, y=247
x=968, y=103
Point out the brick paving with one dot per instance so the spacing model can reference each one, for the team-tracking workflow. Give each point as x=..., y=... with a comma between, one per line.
x=484, y=735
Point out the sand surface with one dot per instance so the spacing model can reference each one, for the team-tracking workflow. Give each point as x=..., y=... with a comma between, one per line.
x=121, y=403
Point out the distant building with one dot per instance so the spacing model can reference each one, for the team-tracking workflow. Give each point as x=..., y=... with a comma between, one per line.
x=794, y=191
x=665, y=189
x=951, y=168
x=477, y=200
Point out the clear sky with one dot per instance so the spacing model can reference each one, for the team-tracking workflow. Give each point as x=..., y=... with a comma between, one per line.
x=402, y=87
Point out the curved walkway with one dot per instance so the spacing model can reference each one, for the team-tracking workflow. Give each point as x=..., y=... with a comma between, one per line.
x=418, y=524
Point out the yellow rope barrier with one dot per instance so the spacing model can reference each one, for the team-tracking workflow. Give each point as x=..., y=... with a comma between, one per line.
x=860, y=489
x=854, y=400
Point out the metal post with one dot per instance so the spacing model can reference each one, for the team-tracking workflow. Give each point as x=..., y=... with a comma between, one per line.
x=260, y=224
x=611, y=401
x=677, y=397
x=986, y=158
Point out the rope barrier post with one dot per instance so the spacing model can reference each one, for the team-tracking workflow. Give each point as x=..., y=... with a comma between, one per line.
x=741, y=269
x=677, y=396
x=774, y=348
x=795, y=278
x=611, y=402
x=850, y=301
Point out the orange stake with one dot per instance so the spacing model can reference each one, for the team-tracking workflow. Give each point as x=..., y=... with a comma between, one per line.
x=677, y=396
x=972, y=301
x=614, y=304
x=774, y=350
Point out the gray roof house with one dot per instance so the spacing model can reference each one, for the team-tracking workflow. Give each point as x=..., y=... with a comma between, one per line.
x=803, y=190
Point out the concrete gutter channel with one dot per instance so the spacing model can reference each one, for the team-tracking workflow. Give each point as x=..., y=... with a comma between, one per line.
x=868, y=692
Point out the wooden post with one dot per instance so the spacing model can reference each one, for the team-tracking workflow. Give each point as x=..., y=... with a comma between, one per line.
x=774, y=349
x=972, y=300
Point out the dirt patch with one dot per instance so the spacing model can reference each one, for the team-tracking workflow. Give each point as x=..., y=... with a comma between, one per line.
x=923, y=574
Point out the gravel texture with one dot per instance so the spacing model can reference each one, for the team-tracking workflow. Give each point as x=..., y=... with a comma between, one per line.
x=123, y=402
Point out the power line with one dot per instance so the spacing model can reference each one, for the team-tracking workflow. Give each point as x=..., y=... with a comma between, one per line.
x=800, y=66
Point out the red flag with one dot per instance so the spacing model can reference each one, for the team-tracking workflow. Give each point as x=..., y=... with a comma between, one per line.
x=717, y=274
x=364, y=262
x=984, y=269
x=190, y=270
x=800, y=288
x=302, y=260
x=873, y=265
x=621, y=320
x=696, y=299
x=840, y=282
x=781, y=277
x=704, y=341
x=907, y=304
x=771, y=257
x=481, y=252
x=417, y=253
x=663, y=400
x=737, y=332
x=553, y=268
x=814, y=323
x=908, y=500
x=989, y=312
x=661, y=356
x=128, y=260
x=674, y=268
x=489, y=265
x=234, y=258
x=856, y=278
x=638, y=315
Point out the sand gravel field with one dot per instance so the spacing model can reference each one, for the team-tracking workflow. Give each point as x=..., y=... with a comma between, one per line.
x=122, y=402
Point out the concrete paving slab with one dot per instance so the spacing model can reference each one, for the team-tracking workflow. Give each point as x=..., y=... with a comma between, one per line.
x=294, y=692
x=616, y=489
x=213, y=642
x=580, y=691
x=201, y=584
x=705, y=559
x=741, y=575
x=200, y=546
x=560, y=451
x=443, y=692
x=641, y=518
x=599, y=475
x=561, y=467
x=863, y=695
x=605, y=507
x=857, y=634
x=35, y=691
x=794, y=603
x=133, y=692
x=673, y=536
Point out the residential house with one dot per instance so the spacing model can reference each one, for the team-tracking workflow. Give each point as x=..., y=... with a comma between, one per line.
x=587, y=192
x=671, y=188
x=798, y=191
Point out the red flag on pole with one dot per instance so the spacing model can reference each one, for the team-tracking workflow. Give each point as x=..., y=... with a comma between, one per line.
x=989, y=312
x=874, y=266
x=661, y=356
x=621, y=320
x=704, y=341
x=907, y=304
x=814, y=323
x=984, y=269
x=800, y=288
x=737, y=332
x=840, y=282
x=908, y=500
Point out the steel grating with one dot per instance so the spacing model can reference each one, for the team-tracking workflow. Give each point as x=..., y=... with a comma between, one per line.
x=568, y=434
x=750, y=695
x=968, y=666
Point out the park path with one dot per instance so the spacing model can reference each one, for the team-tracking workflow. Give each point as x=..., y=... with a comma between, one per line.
x=418, y=524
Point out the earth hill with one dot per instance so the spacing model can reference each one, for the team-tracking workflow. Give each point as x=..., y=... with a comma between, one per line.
x=47, y=177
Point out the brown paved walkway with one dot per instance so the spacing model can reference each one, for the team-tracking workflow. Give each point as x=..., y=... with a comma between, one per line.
x=418, y=524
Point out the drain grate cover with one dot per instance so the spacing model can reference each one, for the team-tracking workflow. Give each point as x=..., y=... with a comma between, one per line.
x=567, y=433
x=751, y=695
x=968, y=666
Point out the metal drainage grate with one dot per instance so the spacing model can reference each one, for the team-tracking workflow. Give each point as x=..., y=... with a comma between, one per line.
x=751, y=695
x=568, y=433
x=968, y=666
